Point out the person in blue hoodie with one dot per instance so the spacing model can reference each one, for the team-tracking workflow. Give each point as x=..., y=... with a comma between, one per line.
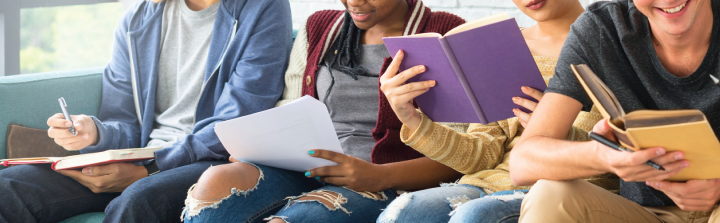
x=178, y=67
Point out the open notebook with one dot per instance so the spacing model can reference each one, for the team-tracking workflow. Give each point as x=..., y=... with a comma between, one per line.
x=89, y=159
x=675, y=130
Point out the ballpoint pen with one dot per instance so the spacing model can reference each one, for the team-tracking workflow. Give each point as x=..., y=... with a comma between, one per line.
x=618, y=147
x=63, y=106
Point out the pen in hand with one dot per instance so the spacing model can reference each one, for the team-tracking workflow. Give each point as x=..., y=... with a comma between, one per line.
x=63, y=106
x=618, y=147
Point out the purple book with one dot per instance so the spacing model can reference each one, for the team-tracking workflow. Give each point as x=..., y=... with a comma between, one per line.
x=478, y=67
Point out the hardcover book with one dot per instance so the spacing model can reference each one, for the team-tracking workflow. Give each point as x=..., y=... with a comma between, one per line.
x=478, y=68
x=674, y=130
x=89, y=159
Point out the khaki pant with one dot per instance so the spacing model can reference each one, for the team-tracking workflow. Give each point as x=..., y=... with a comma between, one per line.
x=580, y=201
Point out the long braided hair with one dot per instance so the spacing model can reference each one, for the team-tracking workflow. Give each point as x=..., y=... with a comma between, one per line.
x=345, y=57
x=346, y=49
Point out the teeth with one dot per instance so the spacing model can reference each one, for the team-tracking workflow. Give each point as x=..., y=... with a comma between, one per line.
x=676, y=9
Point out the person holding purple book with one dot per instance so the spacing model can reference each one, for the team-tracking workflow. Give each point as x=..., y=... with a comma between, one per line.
x=485, y=193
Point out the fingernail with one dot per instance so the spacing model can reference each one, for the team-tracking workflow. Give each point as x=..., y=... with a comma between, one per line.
x=307, y=174
x=400, y=52
x=648, y=183
x=317, y=178
x=68, y=124
x=311, y=152
x=523, y=88
x=432, y=83
x=421, y=68
x=678, y=157
x=86, y=171
x=660, y=151
x=515, y=99
x=659, y=185
x=684, y=165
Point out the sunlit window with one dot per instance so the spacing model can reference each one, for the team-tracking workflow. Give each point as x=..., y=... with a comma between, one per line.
x=67, y=37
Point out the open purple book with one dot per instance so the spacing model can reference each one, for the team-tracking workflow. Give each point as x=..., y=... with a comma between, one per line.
x=478, y=66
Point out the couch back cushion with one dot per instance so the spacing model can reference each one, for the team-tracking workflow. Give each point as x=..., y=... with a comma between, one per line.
x=30, y=99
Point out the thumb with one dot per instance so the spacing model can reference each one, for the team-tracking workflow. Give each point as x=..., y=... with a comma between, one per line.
x=603, y=128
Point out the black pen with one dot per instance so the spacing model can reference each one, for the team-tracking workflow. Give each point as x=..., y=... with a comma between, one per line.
x=63, y=106
x=618, y=147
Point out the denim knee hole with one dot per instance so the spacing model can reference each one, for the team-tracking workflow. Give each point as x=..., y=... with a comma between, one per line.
x=510, y=197
x=456, y=202
x=193, y=206
x=336, y=199
x=393, y=210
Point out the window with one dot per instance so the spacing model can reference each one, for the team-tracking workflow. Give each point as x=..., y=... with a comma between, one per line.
x=67, y=37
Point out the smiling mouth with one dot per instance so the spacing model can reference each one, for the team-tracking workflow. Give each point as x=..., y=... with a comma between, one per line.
x=360, y=14
x=674, y=10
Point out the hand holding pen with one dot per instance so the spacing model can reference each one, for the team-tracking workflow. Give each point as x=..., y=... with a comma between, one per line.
x=72, y=132
x=649, y=164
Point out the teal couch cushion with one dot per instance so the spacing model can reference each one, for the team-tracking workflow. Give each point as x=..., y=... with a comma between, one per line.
x=30, y=99
x=93, y=217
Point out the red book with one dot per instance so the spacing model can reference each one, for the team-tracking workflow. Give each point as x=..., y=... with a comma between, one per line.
x=89, y=159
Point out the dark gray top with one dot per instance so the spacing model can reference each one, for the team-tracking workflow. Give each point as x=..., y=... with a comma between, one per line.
x=614, y=39
x=353, y=104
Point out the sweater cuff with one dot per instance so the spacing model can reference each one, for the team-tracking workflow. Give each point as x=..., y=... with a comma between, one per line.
x=103, y=140
x=411, y=138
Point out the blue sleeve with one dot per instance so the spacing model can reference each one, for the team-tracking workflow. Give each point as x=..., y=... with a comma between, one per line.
x=254, y=85
x=117, y=123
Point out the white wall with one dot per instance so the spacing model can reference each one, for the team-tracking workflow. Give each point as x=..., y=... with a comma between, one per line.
x=467, y=9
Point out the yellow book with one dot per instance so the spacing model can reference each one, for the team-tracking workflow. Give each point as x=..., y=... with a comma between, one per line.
x=675, y=130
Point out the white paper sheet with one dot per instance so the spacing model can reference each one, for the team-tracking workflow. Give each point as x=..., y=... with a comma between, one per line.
x=281, y=137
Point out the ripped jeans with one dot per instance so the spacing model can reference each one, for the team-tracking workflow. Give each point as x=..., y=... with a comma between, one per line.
x=454, y=203
x=276, y=194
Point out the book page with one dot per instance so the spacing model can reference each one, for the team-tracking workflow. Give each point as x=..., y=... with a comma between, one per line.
x=479, y=22
x=281, y=137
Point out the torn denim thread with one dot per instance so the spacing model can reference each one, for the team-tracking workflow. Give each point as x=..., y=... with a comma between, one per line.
x=192, y=204
x=392, y=212
x=284, y=218
x=456, y=202
x=370, y=195
x=510, y=197
x=337, y=199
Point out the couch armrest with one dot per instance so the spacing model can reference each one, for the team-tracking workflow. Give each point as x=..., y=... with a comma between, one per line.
x=30, y=99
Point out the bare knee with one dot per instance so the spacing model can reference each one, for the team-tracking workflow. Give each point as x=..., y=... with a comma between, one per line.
x=276, y=220
x=218, y=181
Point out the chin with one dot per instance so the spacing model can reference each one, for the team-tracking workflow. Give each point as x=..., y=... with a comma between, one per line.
x=363, y=25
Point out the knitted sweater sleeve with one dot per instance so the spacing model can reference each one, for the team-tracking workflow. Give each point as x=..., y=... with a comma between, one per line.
x=296, y=69
x=481, y=148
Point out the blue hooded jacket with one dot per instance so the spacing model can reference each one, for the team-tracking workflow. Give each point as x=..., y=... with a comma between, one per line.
x=248, y=54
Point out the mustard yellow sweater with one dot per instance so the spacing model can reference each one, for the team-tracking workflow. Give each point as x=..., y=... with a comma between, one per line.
x=482, y=153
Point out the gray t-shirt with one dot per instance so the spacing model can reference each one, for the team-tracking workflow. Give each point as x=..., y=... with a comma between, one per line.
x=353, y=104
x=614, y=40
x=185, y=43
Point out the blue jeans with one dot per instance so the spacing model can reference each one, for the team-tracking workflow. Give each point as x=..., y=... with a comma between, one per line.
x=276, y=194
x=36, y=193
x=453, y=203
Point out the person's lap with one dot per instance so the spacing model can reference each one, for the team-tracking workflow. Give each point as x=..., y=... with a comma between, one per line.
x=499, y=207
x=430, y=205
x=36, y=193
x=40, y=194
x=276, y=196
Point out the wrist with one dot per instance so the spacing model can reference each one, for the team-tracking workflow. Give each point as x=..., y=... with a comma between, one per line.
x=601, y=157
x=413, y=122
x=384, y=177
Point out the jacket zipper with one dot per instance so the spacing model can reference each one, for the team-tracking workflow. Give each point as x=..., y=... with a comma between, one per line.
x=202, y=89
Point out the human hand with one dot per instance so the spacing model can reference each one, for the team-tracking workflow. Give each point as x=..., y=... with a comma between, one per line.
x=399, y=94
x=84, y=127
x=351, y=172
x=233, y=160
x=108, y=178
x=693, y=195
x=523, y=117
x=631, y=167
